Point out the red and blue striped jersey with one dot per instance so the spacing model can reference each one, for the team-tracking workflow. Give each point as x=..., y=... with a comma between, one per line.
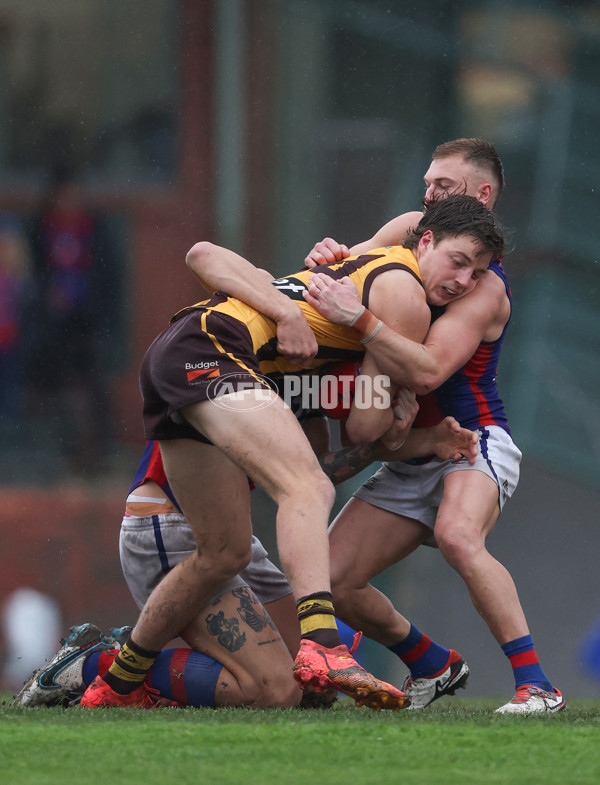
x=151, y=467
x=471, y=393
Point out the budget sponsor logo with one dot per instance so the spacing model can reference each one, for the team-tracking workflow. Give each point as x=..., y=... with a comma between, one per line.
x=199, y=372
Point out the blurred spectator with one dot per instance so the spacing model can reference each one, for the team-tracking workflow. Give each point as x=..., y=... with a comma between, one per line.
x=16, y=292
x=31, y=625
x=69, y=245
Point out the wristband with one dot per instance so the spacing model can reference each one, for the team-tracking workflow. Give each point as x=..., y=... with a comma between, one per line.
x=366, y=322
x=358, y=315
x=373, y=332
x=393, y=449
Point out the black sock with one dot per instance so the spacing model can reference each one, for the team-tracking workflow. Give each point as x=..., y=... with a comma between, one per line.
x=317, y=619
x=130, y=667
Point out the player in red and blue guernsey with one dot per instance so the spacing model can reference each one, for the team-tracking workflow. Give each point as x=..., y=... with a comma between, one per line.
x=454, y=371
x=471, y=394
x=151, y=467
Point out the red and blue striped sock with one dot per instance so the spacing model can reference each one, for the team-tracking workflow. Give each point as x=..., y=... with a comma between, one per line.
x=423, y=657
x=525, y=663
x=96, y=664
x=183, y=675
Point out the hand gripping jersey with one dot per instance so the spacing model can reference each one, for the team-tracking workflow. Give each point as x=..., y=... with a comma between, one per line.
x=336, y=343
x=471, y=393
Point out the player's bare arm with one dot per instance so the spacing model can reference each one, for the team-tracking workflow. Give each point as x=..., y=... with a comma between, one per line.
x=222, y=270
x=395, y=298
x=447, y=440
x=393, y=232
x=451, y=341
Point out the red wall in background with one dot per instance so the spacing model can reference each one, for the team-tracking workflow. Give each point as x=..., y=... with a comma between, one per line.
x=65, y=543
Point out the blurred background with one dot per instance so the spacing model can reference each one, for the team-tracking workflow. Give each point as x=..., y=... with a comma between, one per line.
x=130, y=130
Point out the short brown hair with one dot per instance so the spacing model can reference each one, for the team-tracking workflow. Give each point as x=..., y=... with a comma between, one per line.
x=477, y=151
x=459, y=215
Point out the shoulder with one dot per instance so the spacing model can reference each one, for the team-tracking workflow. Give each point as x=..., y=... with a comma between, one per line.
x=392, y=259
x=396, y=290
x=489, y=293
x=492, y=286
x=394, y=232
x=487, y=307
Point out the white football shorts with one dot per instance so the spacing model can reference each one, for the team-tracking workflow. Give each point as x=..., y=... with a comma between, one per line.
x=415, y=490
x=151, y=546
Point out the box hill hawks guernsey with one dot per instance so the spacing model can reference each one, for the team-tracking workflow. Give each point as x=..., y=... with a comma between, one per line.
x=336, y=342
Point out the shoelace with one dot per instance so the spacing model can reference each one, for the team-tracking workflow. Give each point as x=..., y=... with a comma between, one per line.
x=355, y=642
x=525, y=691
x=353, y=648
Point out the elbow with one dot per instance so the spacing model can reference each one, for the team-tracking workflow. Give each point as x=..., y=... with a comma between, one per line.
x=198, y=255
x=357, y=435
x=361, y=432
x=426, y=383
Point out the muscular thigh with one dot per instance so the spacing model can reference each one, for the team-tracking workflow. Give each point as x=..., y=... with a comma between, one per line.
x=364, y=540
x=212, y=492
x=266, y=441
x=469, y=503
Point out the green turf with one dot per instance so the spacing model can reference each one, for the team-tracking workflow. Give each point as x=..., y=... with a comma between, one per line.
x=455, y=742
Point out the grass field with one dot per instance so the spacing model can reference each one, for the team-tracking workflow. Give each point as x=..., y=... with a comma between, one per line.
x=457, y=741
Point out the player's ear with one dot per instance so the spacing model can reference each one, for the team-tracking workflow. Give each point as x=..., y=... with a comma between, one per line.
x=427, y=239
x=484, y=194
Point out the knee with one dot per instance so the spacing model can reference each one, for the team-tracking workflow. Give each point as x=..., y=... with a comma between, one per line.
x=459, y=546
x=285, y=694
x=342, y=582
x=312, y=485
x=278, y=691
x=323, y=486
x=240, y=557
x=225, y=561
x=236, y=557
